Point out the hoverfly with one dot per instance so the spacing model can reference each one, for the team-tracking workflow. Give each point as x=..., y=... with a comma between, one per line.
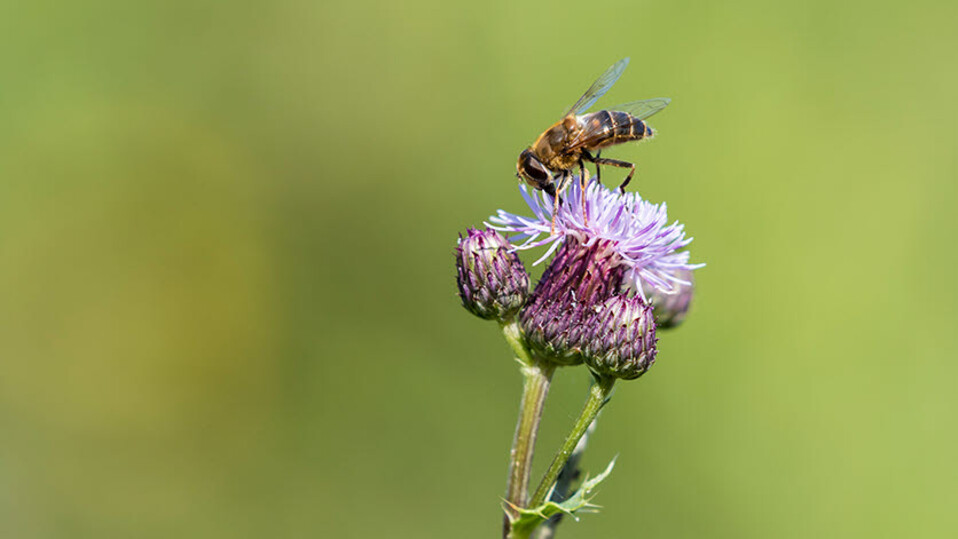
x=548, y=163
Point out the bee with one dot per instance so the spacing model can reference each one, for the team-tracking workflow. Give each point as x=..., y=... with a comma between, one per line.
x=549, y=162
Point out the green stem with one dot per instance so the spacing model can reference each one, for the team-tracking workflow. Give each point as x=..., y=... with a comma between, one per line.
x=599, y=394
x=537, y=377
x=513, y=335
x=563, y=485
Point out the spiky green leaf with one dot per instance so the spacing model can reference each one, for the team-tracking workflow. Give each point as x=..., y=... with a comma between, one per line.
x=580, y=501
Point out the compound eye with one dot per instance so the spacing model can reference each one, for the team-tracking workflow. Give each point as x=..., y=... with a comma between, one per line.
x=533, y=168
x=536, y=172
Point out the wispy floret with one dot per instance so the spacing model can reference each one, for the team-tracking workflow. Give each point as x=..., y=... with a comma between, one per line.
x=635, y=230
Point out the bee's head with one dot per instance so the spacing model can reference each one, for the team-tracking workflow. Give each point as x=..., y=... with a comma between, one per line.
x=533, y=172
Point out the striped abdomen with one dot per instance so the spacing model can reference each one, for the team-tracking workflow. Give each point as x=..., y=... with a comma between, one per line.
x=609, y=127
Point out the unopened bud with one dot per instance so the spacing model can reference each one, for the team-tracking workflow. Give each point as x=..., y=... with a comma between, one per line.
x=670, y=309
x=554, y=330
x=493, y=283
x=622, y=339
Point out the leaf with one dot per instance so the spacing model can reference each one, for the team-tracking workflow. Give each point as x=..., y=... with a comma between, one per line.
x=579, y=502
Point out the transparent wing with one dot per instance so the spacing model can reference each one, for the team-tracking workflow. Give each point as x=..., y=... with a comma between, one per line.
x=599, y=87
x=644, y=108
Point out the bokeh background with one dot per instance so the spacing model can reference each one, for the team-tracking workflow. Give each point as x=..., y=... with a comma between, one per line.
x=227, y=301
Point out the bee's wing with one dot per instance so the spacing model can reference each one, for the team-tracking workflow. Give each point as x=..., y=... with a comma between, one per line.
x=599, y=87
x=644, y=108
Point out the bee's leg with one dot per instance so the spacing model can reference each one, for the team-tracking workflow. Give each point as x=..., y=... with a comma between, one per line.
x=592, y=159
x=555, y=210
x=598, y=174
x=557, y=189
x=620, y=164
x=564, y=180
x=583, y=183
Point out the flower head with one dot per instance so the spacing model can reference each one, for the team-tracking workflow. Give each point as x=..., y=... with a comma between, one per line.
x=493, y=283
x=634, y=230
x=613, y=251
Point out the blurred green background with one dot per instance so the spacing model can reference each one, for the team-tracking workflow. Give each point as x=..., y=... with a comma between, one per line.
x=227, y=301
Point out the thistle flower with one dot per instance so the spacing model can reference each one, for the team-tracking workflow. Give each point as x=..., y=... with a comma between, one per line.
x=580, y=309
x=493, y=283
x=634, y=230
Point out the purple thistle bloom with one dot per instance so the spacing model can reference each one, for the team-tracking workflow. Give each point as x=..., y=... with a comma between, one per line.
x=591, y=304
x=635, y=230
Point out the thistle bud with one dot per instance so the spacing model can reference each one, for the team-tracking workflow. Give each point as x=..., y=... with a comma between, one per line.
x=621, y=342
x=578, y=277
x=670, y=309
x=493, y=283
x=554, y=330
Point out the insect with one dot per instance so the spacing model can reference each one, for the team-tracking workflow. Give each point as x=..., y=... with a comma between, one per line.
x=549, y=162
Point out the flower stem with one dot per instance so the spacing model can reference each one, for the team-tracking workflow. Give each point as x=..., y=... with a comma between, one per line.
x=537, y=377
x=563, y=487
x=599, y=394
